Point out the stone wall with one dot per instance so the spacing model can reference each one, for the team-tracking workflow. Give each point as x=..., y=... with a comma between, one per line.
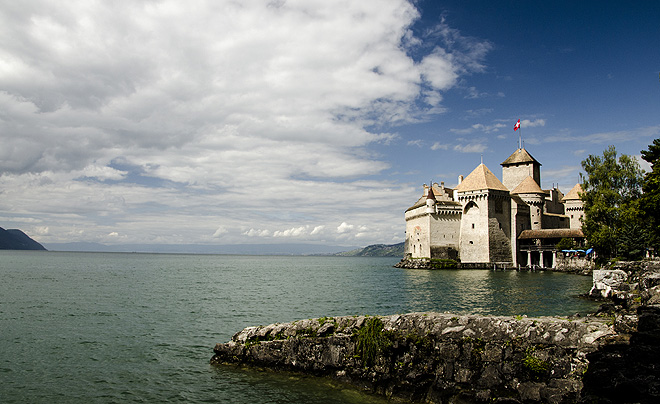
x=432, y=357
x=577, y=265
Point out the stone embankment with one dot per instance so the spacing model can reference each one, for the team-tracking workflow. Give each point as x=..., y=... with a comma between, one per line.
x=611, y=357
x=431, y=357
x=578, y=266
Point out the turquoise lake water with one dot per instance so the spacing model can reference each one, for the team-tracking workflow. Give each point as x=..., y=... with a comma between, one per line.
x=106, y=327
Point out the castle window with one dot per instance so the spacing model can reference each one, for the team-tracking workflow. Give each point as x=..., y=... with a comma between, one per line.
x=471, y=242
x=473, y=225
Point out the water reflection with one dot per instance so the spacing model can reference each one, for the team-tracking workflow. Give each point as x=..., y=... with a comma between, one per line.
x=490, y=292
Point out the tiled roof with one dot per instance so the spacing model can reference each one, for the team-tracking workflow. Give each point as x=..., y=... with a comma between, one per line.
x=574, y=193
x=518, y=157
x=550, y=233
x=480, y=178
x=528, y=186
x=440, y=203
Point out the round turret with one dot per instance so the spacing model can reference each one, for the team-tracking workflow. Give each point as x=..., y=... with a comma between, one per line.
x=430, y=201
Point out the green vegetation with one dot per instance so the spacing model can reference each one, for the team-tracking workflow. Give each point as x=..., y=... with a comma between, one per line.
x=650, y=200
x=443, y=263
x=536, y=368
x=565, y=243
x=612, y=220
x=371, y=340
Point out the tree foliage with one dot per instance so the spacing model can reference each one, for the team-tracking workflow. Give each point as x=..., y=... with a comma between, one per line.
x=650, y=201
x=611, y=191
x=565, y=243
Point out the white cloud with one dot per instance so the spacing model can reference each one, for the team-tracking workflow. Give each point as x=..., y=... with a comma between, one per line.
x=220, y=231
x=479, y=127
x=137, y=118
x=345, y=227
x=292, y=232
x=439, y=146
x=317, y=230
x=257, y=233
x=526, y=123
x=470, y=148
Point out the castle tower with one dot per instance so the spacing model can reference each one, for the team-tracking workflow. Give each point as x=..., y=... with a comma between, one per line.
x=433, y=224
x=530, y=192
x=574, y=206
x=519, y=166
x=485, y=232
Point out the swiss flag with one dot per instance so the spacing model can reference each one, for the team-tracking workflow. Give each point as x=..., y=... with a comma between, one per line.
x=516, y=126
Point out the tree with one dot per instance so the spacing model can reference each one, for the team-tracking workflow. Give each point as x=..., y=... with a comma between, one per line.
x=650, y=201
x=565, y=243
x=612, y=221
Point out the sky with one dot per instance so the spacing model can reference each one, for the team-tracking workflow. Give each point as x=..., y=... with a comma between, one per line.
x=301, y=121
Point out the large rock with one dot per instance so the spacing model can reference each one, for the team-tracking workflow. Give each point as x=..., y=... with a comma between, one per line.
x=607, y=282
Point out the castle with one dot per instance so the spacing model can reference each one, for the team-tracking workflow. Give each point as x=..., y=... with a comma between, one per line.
x=485, y=221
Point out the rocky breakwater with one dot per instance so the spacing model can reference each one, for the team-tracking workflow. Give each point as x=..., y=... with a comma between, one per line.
x=433, y=357
x=628, y=370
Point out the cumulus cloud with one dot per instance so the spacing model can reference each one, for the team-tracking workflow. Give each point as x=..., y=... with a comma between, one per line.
x=257, y=233
x=470, y=148
x=345, y=227
x=292, y=232
x=148, y=116
x=439, y=146
x=531, y=124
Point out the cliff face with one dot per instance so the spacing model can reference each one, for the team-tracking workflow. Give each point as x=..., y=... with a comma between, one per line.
x=431, y=357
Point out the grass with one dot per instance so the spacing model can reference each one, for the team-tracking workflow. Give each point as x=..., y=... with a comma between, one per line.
x=371, y=341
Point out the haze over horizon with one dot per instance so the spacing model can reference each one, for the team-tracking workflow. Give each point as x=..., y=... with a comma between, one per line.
x=222, y=122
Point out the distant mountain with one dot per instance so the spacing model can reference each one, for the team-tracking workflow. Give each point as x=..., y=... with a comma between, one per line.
x=14, y=239
x=239, y=249
x=376, y=250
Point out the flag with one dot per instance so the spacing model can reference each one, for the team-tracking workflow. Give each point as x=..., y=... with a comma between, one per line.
x=516, y=126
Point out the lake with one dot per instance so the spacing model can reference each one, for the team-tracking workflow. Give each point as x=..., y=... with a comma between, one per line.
x=120, y=327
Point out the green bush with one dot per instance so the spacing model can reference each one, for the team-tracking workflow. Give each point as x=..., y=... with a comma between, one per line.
x=443, y=263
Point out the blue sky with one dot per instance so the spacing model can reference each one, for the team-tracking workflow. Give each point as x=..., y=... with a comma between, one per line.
x=218, y=122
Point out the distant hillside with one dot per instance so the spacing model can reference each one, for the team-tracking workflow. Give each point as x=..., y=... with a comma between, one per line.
x=376, y=250
x=14, y=239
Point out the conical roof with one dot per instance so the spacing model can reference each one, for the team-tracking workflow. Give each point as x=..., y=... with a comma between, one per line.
x=480, y=178
x=528, y=186
x=430, y=195
x=520, y=156
x=574, y=193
